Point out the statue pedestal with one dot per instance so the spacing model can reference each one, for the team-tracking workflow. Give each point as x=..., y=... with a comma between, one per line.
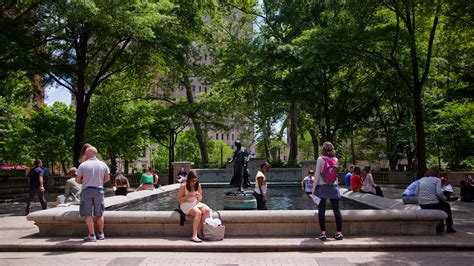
x=240, y=200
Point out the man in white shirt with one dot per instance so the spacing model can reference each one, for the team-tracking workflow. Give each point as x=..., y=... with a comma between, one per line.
x=430, y=196
x=92, y=174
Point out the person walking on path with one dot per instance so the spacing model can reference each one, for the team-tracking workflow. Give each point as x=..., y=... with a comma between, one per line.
x=260, y=190
x=92, y=174
x=326, y=187
x=36, y=184
x=430, y=196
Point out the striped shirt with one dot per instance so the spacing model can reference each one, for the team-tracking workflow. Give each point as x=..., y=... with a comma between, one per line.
x=429, y=190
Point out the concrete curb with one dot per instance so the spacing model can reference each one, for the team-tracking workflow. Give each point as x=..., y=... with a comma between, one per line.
x=237, y=245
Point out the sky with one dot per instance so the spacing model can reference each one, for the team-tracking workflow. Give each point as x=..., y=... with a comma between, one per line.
x=57, y=94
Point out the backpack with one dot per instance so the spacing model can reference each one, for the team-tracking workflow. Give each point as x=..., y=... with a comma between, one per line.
x=329, y=172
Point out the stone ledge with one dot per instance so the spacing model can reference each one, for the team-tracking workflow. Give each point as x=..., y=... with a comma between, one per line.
x=376, y=202
x=66, y=222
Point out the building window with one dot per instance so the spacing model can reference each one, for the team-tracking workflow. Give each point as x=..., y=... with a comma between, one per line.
x=205, y=57
x=194, y=88
x=232, y=137
x=205, y=89
x=227, y=136
x=222, y=136
x=199, y=88
x=217, y=136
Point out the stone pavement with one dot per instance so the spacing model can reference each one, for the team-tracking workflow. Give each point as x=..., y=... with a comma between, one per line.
x=18, y=239
x=238, y=259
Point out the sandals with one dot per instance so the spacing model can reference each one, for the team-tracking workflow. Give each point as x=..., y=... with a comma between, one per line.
x=196, y=239
x=338, y=236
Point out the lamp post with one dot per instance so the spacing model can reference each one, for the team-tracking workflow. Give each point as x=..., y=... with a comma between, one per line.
x=171, y=154
x=221, y=146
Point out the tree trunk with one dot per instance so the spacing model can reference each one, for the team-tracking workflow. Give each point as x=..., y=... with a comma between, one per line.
x=420, y=133
x=353, y=156
x=113, y=164
x=80, y=127
x=196, y=123
x=63, y=165
x=266, y=142
x=125, y=167
x=315, y=141
x=292, y=157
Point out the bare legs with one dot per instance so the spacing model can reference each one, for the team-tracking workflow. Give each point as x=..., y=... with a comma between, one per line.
x=90, y=224
x=199, y=216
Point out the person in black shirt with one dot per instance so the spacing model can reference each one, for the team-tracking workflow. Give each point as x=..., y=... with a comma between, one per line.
x=36, y=184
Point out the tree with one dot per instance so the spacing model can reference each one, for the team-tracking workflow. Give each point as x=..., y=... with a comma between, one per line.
x=51, y=135
x=119, y=127
x=88, y=42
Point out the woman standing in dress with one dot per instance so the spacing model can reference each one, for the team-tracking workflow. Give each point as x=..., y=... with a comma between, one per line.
x=190, y=197
x=324, y=190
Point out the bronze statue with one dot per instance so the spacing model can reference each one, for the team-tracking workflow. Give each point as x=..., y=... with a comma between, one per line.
x=240, y=157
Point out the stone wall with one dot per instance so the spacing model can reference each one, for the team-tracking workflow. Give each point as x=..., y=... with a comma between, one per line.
x=65, y=221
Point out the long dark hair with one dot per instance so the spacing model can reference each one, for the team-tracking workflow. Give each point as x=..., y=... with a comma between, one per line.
x=192, y=175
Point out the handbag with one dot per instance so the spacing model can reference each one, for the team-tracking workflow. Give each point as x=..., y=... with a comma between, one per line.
x=213, y=233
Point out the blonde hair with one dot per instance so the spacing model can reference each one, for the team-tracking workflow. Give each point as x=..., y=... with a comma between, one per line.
x=328, y=149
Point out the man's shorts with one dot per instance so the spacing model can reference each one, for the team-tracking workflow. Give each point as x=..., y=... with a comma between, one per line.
x=92, y=202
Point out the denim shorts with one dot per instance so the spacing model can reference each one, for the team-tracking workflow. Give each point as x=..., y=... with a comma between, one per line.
x=92, y=202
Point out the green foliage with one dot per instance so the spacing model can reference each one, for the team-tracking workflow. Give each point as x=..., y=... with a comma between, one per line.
x=51, y=135
x=119, y=127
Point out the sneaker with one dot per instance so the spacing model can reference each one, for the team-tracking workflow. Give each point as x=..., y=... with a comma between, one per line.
x=100, y=236
x=450, y=230
x=338, y=236
x=322, y=237
x=90, y=238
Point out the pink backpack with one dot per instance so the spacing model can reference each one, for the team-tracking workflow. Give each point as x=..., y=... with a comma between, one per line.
x=329, y=172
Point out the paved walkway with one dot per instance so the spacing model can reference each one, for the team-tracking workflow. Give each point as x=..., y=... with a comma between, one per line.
x=238, y=259
x=18, y=234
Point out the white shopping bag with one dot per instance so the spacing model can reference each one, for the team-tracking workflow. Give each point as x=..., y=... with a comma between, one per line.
x=316, y=199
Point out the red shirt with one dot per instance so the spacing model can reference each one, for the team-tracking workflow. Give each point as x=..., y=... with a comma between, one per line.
x=356, y=182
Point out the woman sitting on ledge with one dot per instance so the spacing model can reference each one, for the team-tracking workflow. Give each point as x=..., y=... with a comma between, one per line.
x=147, y=180
x=190, y=197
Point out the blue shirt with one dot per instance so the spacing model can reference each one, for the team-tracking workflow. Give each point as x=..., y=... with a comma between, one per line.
x=411, y=189
x=348, y=179
x=34, y=176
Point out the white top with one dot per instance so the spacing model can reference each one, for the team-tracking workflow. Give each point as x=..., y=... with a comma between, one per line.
x=93, y=172
x=308, y=183
x=264, y=183
x=319, y=180
x=429, y=190
x=368, y=184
